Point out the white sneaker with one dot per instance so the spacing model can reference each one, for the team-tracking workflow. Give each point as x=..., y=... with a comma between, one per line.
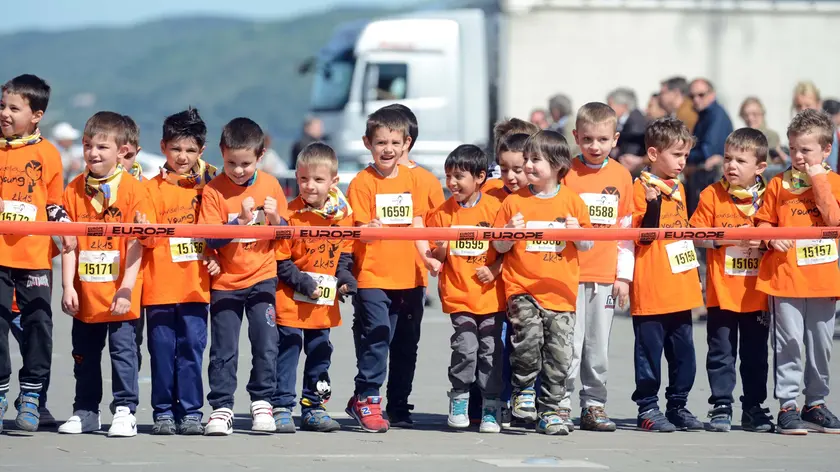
x=221, y=423
x=491, y=417
x=124, y=424
x=459, y=405
x=82, y=421
x=263, y=419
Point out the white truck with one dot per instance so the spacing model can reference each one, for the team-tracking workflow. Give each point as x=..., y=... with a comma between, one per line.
x=462, y=69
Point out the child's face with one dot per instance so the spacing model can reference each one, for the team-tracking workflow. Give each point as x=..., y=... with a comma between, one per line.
x=315, y=182
x=753, y=115
x=740, y=166
x=596, y=140
x=669, y=163
x=538, y=171
x=240, y=164
x=805, y=148
x=386, y=147
x=130, y=157
x=16, y=116
x=102, y=154
x=462, y=184
x=512, y=165
x=181, y=154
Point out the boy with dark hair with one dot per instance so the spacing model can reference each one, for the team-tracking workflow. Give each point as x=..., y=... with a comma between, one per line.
x=129, y=162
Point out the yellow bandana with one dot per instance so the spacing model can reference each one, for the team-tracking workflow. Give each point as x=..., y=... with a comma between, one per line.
x=22, y=141
x=103, y=191
x=199, y=176
x=747, y=200
x=669, y=188
x=798, y=182
x=336, y=207
x=136, y=171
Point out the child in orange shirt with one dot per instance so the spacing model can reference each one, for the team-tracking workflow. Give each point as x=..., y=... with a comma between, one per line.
x=802, y=276
x=313, y=274
x=541, y=281
x=247, y=282
x=470, y=292
x=607, y=270
x=497, y=176
x=177, y=312
x=666, y=285
x=384, y=194
x=129, y=162
x=30, y=190
x=101, y=294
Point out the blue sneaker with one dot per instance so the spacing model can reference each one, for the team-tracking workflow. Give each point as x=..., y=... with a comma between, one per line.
x=317, y=419
x=551, y=423
x=720, y=418
x=4, y=405
x=283, y=420
x=28, y=415
x=525, y=405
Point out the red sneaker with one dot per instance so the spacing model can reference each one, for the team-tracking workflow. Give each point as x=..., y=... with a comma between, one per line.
x=368, y=413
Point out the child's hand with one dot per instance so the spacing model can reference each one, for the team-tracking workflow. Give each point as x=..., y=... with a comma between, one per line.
x=68, y=244
x=572, y=222
x=432, y=265
x=316, y=294
x=621, y=292
x=814, y=170
x=140, y=218
x=374, y=223
x=70, y=301
x=651, y=193
x=516, y=222
x=781, y=245
x=246, y=215
x=485, y=275
x=211, y=262
x=270, y=209
x=344, y=289
x=122, y=302
x=2, y=205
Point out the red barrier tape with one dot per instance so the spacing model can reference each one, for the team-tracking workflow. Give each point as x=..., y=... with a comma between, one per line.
x=431, y=234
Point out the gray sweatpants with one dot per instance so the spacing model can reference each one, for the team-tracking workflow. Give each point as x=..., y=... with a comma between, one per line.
x=802, y=323
x=477, y=353
x=595, y=307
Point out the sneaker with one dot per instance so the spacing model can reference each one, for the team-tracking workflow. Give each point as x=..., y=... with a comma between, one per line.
x=28, y=415
x=757, y=419
x=459, y=404
x=220, y=423
x=820, y=419
x=720, y=418
x=82, y=421
x=47, y=418
x=654, y=420
x=683, y=419
x=400, y=416
x=490, y=415
x=262, y=419
x=124, y=424
x=789, y=422
x=525, y=405
x=368, y=413
x=507, y=417
x=4, y=405
x=552, y=423
x=595, y=418
x=190, y=426
x=317, y=419
x=164, y=426
x=565, y=414
x=283, y=422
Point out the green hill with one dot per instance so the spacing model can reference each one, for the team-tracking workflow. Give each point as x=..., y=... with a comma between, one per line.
x=226, y=68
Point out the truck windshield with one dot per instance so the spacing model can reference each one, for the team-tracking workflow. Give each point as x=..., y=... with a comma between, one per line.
x=331, y=87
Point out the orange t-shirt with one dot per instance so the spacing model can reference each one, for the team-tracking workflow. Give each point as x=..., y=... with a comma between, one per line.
x=434, y=191
x=101, y=260
x=244, y=262
x=608, y=195
x=549, y=271
x=729, y=285
x=460, y=290
x=499, y=193
x=780, y=274
x=383, y=264
x=31, y=178
x=492, y=184
x=656, y=288
x=174, y=270
x=318, y=257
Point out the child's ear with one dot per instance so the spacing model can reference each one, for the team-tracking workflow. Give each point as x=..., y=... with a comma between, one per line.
x=123, y=151
x=482, y=177
x=261, y=154
x=162, y=147
x=334, y=182
x=201, y=151
x=615, y=139
x=407, y=143
x=36, y=117
x=577, y=140
x=827, y=151
x=760, y=168
x=653, y=154
x=365, y=140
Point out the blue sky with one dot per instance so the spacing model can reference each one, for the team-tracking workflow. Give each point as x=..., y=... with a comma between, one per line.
x=70, y=14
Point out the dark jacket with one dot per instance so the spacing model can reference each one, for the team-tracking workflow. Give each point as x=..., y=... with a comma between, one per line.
x=713, y=127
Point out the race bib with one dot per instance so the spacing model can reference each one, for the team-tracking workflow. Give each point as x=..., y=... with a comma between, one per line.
x=603, y=208
x=741, y=261
x=545, y=246
x=18, y=211
x=186, y=249
x=815, y=251
x=394, y=208
x=257, y=219
x=468, y=248
x=681, y=256
x=327, y=286
x=99, y=266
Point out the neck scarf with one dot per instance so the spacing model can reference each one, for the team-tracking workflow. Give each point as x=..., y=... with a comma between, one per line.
x=747, y=200
x=335, y=208
x=670, y=188
x=797, y=182
x=199, y=175
x=136, y=171
x=22, y=141
x=103, y=191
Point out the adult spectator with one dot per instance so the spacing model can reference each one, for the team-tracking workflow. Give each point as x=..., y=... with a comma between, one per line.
x=631, y=125
x=560, y=107
x=654, y=108
x=313, y=131
x=753, y=113
x=539, y=117
x=72, y=155
x=832, y=107
x=712, y=128
x=673, y=96
x=806, y=96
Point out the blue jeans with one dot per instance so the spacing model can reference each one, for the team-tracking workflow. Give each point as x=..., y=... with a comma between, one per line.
x=88, y=342
x=316, y=344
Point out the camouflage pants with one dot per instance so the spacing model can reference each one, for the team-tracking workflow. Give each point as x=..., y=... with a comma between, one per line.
x=543, y=344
